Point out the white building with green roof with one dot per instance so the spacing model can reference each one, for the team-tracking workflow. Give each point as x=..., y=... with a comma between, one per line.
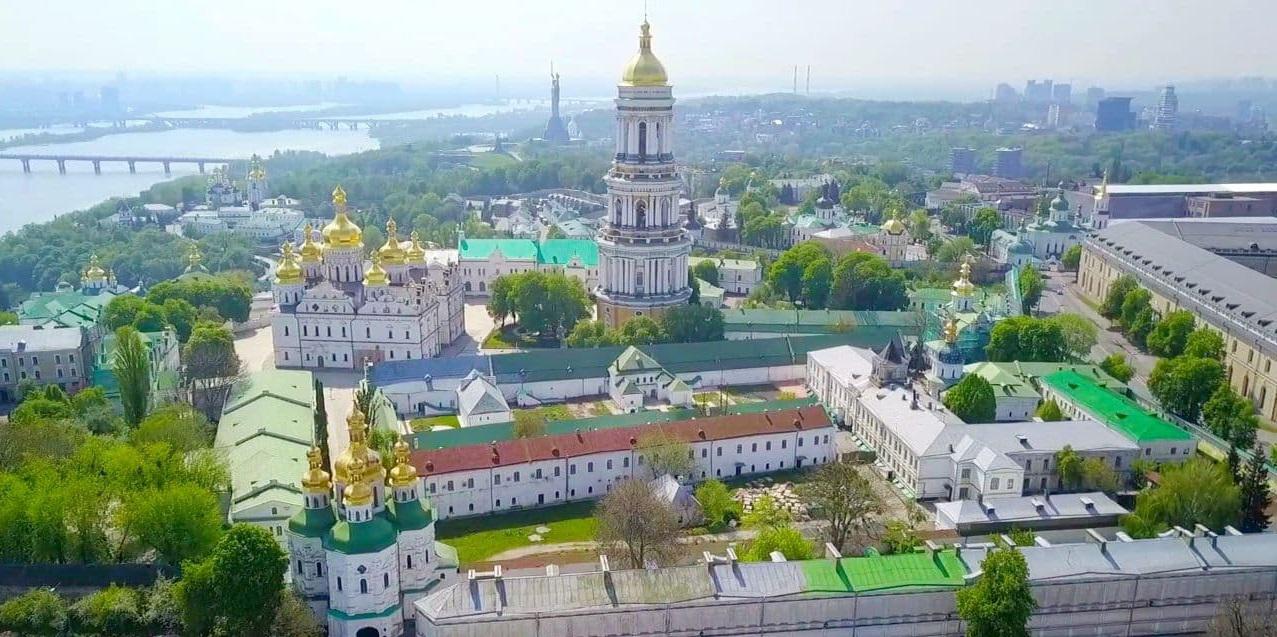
x=635, y=377
x=483, y=260
x=1016, y=384
x=736, y=276
x=1081, y=396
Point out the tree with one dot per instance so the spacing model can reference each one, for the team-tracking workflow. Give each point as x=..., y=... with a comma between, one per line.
x=181, y=315
x=231, y=297
x=114, y=610
x=1068, y=464
x=899, y=537
x=716, y=503
x=786, y=540
x=634, y=520
x=37, y=612
x=237, y=587
x=1031, y=287
x=179, y=426
x=542, y=302
x=786, y=274
x=982, y=225
x=693, y=324
x=665, y=454
x=639, y=330
x=1118, y=289
x=1072, y=258
x=8, y=318
x=1255, y=497
x=817, y=279
x=1197, y=491
x=766, y=513
x=1231, y=417
x=707, y=271
x=1115, y=365
x=294, y=618
x=694, y=285
x=1170, y=335
x=181, y=521
x=1080, y=334
x=1097, y=476
x=1049, y=411
x=839, y=494
x=209, y=355
x=1183, y=384
x=131, y=366
x=953, y=250
x=529, y=423
x=588, y=334
x=1205, y=342
x=864, y=281
x=1000, y=602
x=1026, y=338
x=500, y=299
x=1135, y=303
x=123, y=310
x=972, y=399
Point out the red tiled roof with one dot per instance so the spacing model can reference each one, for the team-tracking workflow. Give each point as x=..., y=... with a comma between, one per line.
x=581, y=443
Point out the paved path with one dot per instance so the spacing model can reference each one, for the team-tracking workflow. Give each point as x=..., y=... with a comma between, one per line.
x=1110, y=340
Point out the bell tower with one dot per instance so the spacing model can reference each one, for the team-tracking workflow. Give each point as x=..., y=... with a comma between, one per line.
x=643, y=248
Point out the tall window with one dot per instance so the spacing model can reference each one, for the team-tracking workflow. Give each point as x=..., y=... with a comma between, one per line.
x=640, y=214
x=642, y=141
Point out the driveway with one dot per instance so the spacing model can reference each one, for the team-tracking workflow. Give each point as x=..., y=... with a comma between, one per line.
x=1109, y=340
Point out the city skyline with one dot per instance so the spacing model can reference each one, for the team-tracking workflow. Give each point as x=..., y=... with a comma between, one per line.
x=854, y=47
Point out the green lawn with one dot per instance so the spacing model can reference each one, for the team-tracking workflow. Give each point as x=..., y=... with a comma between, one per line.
x=508, y=338
x=426, y=424
x=479, y=538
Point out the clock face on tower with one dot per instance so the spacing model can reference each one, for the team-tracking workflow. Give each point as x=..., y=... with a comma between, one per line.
x=643, y=248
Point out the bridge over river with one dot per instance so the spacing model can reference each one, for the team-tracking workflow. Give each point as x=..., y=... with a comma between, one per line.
x=131, y=160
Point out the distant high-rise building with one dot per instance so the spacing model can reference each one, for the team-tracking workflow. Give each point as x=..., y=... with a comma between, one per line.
x=1038, y=92
x=1062, y=93
x=1008, y=163
x=1113, y=114
x=1093, y=96
x=555, y=131
x=962, y=160
x=1053, y=115
x=1005, y=93
x=1167, y=115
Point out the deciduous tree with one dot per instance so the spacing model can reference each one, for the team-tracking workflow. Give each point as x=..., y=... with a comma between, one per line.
x=665, y=454
x=972, y=399
x=839, y=494
x=1170, y=335
x=1000, y=602
x=1205, y=342
x=693, y=324
x=237, y=587
x=716, y=503
x=706, y=270
x=635, y=522
x=1183, y=384
x=785, y=539
x=1115, y=365
x=1049, y=411
x=131, y=365
x=1197, y=491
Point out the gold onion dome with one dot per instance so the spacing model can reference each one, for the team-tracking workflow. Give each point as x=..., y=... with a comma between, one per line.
x=341, y=232
x=310, y=251
x=963, y=286
x=894, y=226
x=94, y=272
x=403, y=474
x=357, y=430
x=951, y=331
x=415, y=253
x=288, y=272
x=644, y=69
x=358, y=493
x=315, y=478
x=194, y=260
x=255, y=168
x=392, y=253
x=376, y=275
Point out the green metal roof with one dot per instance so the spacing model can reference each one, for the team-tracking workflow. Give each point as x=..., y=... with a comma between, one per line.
x=409, y=516
x=390, y=611
x=496, y=432
x=1016, y=379
x=549, y=252
x=266, y=428
x=312, y=522
x=881, y=572
x=1112, y=409
x=68, y=308
x=361, y=537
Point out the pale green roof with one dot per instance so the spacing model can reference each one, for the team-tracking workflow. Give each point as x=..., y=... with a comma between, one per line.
x=1112, y=409
x=633, y=359
x=549, y=252
x=708, y=290
x=265, y=430
x=1017, y=379
x=68, y=308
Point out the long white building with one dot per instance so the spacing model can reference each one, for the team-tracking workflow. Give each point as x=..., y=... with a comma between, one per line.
x=510, y=474
x=332, y=311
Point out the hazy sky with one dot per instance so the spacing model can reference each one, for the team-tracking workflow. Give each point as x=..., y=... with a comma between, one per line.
x=705, y=44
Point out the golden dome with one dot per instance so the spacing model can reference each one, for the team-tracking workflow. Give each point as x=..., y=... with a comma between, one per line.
x=391, y=253
x=644, y=69
x=963, y=286
x=288, y=272
x=894, y=226
x=194, y=260
x=359, y=492
x=341, y=232
x=403, y=474
x=357, y=430
x=316, y=479
x=310, y=251
x=376, y=275
x=415, y=253
x=951, y=331
x=94, y=273
x=255, y=171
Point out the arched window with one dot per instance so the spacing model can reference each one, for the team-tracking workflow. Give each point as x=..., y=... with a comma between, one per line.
x=642, y=133
x=619, y=207
x=363, y=586
x=640, y=214
x=659, y=140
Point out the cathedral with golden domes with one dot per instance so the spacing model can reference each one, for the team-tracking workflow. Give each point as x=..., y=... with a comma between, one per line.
x=338, y=307
x=363, y=546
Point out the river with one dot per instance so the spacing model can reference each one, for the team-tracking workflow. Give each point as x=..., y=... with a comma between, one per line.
x=44, y=194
